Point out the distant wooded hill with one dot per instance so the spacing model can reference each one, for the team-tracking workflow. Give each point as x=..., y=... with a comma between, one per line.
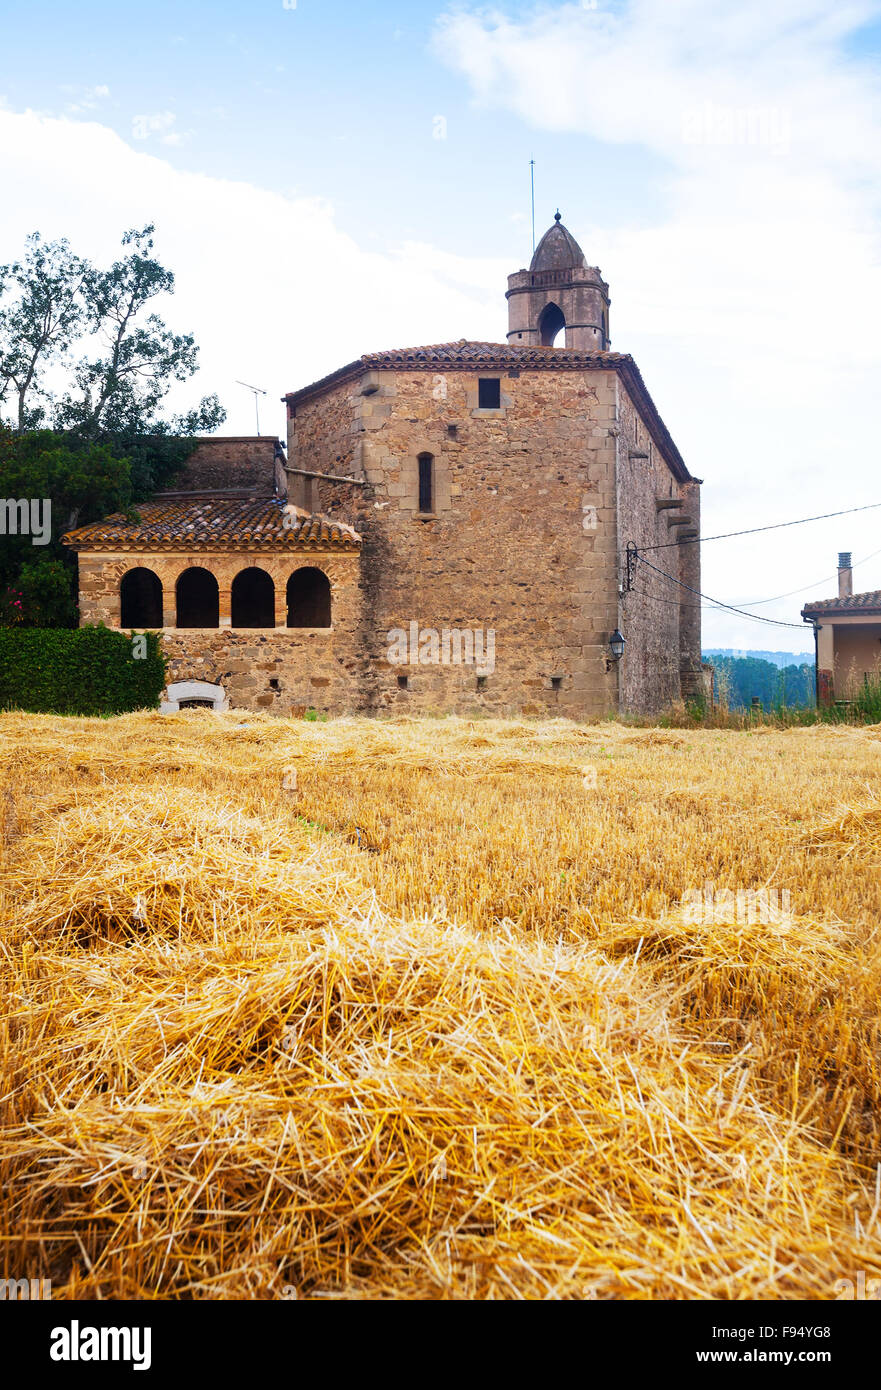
x=739, y=678
x=776, y=658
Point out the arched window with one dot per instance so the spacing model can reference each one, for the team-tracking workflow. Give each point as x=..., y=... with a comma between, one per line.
x=198, y=600
x=140, y=599
x=426, y=483
x=550, y=323
x=252, y=599
x=308, y=598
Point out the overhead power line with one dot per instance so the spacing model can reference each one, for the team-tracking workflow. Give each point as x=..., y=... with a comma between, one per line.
x=729, y=607
x=754, y=530
x=827, y=579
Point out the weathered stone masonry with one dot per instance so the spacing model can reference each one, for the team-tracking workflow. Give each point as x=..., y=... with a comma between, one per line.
x=283, y=670
x=464, y=487
x=534, y=503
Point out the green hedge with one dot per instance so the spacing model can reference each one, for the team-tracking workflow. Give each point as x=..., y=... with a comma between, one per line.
x=85, y=670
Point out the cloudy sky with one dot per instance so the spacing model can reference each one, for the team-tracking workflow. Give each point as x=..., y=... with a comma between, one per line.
x=329, y=178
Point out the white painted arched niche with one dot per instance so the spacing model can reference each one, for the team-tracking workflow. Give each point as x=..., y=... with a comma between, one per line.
x=178, y=693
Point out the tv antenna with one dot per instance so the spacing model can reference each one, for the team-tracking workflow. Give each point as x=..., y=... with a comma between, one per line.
x=258, y=391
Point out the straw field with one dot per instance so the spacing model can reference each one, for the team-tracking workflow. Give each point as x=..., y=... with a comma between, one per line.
x=419, y=1009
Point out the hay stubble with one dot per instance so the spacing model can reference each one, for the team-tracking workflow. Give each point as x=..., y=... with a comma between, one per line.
x=433, y=1024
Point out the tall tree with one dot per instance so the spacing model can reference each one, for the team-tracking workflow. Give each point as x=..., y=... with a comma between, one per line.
x=42, y=312
x=111, y=445
x=119, y=391
x=52, y=299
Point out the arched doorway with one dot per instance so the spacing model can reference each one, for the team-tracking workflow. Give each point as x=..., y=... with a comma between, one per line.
x=140, y=599
x=308, y=597
x=198, y=599
x=551, y=322
x=252, y=599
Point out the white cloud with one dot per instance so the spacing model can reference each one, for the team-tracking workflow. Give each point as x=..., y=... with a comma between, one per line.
x=751, y=301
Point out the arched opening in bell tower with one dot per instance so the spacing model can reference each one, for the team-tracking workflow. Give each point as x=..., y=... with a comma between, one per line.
x=551, y=323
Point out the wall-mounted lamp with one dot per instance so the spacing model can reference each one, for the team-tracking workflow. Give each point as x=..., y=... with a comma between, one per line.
x=616, y=648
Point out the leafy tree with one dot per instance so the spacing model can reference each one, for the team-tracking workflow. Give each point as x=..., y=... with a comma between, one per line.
x=43, y=301
x=111, y=445
x=52, y=299
x=743, y=677
x=120, y=390
x=83, y=482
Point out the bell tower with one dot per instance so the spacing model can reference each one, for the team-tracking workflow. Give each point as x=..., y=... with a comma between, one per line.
x=559, y=291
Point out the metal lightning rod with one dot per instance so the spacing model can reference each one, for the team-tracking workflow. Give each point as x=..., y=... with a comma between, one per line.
x=258, y=391
x=532, y=190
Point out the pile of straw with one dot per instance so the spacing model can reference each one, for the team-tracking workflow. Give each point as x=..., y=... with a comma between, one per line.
x=243, y=1057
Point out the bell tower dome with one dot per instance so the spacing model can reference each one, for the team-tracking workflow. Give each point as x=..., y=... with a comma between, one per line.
x=559, y=291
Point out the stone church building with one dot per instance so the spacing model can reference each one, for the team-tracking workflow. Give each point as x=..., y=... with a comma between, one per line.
x=447, y=530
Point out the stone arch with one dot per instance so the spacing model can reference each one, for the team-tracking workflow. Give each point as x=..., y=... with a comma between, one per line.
x=185, y=694
x=198, y=598
x=551, y=321
x=140, y=598
x=252, y=599
x=308, y=598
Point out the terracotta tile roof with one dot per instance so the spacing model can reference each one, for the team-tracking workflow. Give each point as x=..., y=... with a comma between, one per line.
x=492, y=356
x=503, y=357
x=506, y=354
x=856, y=603
x=207, y=522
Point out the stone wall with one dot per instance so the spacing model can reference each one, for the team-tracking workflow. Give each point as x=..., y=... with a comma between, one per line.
x=231, y=461
x=652, y=611
x=324, y=440
x=534, y=503
x=311, y=667
x=283, y=672
x=505, y=547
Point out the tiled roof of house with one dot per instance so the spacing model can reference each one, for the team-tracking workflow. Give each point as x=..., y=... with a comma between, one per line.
x=855, y=603
x=207, y=522
x=505, y=357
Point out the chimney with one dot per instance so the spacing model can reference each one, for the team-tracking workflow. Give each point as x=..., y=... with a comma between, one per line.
x=845, y=575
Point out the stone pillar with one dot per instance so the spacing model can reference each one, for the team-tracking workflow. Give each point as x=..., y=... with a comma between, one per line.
x=281, y=601
x=224, y=594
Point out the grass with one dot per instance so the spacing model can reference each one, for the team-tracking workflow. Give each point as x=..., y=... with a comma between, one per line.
x=436, y=1023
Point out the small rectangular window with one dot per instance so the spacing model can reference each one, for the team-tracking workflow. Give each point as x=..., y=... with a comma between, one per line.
x=425, y=483
x=489, y=393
